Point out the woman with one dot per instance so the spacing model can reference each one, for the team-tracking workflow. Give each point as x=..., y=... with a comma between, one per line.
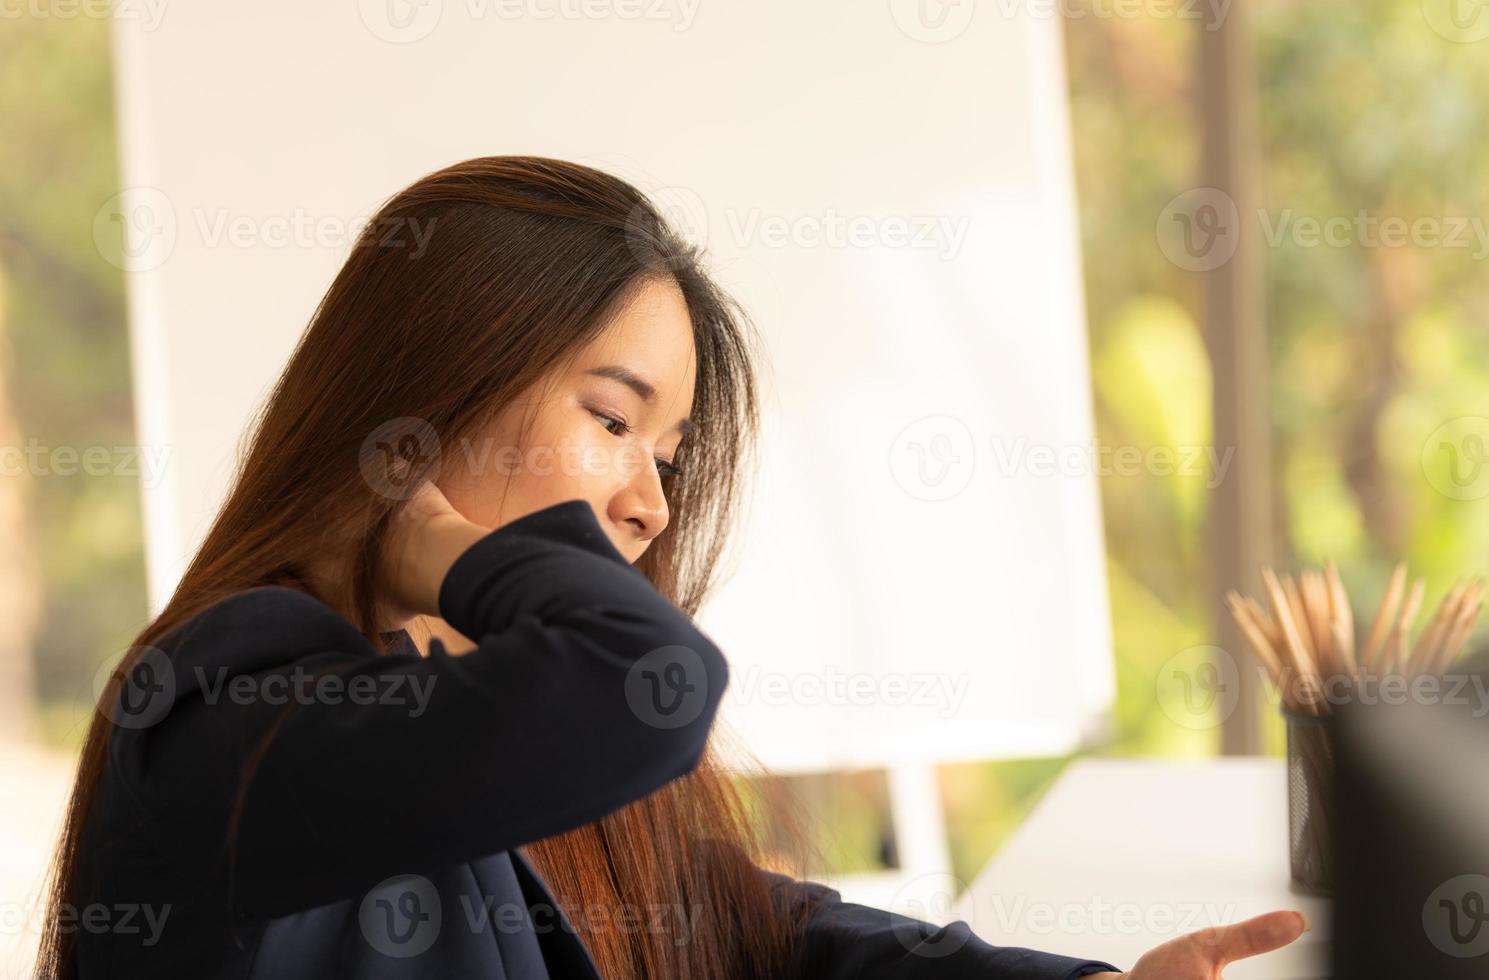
x=523, y=409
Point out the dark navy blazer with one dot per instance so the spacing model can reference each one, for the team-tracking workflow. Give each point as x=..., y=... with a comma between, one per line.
x=281, y=802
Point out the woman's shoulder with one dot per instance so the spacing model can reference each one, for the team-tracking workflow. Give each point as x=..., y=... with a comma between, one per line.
x=259, y=627
x=255, y=632
x=189, y=706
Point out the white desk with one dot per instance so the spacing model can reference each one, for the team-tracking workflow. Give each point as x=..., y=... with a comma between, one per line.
x=1122, y=855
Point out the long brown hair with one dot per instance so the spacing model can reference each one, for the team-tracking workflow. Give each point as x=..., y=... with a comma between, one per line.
x=465, y=288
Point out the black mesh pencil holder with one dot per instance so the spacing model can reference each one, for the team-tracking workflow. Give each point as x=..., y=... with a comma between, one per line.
x=1310, y=800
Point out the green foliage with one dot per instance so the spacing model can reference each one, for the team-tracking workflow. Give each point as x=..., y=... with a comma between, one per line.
x=68, y=372
x=1362, y=107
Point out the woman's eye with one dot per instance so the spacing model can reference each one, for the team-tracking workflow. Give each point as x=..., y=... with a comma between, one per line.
x=619, y=426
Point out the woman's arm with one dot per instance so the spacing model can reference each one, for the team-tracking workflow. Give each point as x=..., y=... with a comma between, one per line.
x=845, y=941
x=588, y=690
x=848, y=941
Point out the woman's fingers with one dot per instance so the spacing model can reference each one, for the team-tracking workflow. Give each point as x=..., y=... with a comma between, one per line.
x=1250, y=937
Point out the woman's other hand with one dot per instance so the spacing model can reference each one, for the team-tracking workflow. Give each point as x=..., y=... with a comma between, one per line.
x=426, y=536
x=1201, y=955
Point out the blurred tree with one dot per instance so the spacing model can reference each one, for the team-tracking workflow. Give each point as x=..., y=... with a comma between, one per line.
x=1368, y=113
x=20, y=577
x=69, y=379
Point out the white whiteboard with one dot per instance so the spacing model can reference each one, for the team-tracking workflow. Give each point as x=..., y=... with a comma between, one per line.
x=885, y=186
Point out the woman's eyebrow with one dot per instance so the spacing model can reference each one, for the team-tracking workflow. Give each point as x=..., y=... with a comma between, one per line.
x=643, y=388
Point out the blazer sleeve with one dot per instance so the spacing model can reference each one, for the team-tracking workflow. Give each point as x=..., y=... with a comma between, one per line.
x=588, y=690
x=847, y=941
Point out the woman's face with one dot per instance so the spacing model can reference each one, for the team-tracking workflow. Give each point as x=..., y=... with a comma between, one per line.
x=604, y=429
